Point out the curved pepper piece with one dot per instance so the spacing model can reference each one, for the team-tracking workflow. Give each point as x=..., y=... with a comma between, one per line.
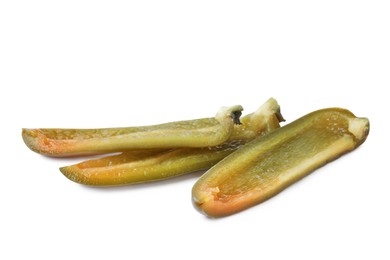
x=135, y=167
x=192, y=133
x=269, y=164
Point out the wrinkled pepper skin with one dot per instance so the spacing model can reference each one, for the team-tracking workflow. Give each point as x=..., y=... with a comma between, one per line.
x=191, y=133
x=269, y=164
x=143, y=166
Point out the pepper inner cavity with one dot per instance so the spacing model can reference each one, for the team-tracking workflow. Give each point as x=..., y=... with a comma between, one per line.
x=266, y=168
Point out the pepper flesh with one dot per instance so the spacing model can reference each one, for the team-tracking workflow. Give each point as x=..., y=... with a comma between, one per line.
x=135, y=167
x=192, y=133
x=269, y=164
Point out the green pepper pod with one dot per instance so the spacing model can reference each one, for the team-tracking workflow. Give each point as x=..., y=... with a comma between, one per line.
x=142, y=166
x=192, y=133
x=269, y=164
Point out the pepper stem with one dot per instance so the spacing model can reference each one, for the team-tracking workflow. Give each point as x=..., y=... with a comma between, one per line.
x=233, y=112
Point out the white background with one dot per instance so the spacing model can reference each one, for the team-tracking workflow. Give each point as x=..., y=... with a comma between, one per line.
x=125, y=63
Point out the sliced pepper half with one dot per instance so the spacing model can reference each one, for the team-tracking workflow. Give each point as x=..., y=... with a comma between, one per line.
x=269, y=164
x=192, y=133
x=143, y=166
